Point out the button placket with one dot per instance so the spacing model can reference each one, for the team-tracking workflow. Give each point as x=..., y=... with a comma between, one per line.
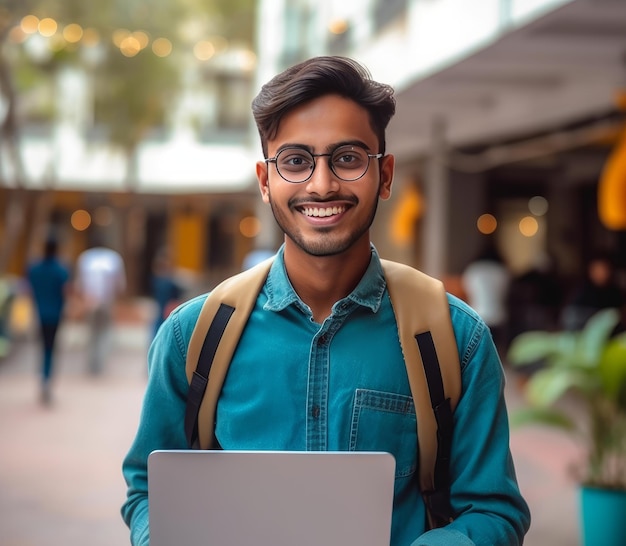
x=319, y=376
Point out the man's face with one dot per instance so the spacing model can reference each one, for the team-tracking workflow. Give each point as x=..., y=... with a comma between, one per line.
x=325, y=215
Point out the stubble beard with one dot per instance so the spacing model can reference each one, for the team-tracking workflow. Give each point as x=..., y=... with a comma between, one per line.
x=326, y=244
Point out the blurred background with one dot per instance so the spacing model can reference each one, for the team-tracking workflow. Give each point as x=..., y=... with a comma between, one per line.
x=134, y=119
x=129, y=122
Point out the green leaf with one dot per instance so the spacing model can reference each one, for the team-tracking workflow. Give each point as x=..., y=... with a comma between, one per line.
x=612, y=367
x=596, y=333
x=542, y=416
x=532, y=346
x=547, y=386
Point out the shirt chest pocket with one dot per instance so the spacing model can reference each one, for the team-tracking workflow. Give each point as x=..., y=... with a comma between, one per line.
x=384, y=421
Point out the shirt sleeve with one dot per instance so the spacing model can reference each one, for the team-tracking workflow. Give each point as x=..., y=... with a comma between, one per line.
x=485, y=496
x=161, y=423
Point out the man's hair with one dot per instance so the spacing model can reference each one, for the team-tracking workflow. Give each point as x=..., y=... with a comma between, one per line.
x=315, y=78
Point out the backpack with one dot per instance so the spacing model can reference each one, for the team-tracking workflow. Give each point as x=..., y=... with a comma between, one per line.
x=422, y=313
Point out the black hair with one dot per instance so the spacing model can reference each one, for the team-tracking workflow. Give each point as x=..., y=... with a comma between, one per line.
x=315, y=78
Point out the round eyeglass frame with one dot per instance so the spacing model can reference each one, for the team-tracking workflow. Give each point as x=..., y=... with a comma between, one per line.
x=330, y=164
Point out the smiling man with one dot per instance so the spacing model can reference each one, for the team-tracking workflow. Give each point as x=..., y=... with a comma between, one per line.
x=323, y=331
x=323, y=181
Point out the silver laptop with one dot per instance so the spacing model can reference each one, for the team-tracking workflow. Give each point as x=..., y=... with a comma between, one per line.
x=270, y=498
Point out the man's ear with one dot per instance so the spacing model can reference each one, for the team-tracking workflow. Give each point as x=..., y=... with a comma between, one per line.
x=387, y=168
x=261, y=175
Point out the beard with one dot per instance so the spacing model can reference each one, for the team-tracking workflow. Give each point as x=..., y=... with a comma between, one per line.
x=324, y=241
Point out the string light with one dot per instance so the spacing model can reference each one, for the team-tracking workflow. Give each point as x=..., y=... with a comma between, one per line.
x=129, y=43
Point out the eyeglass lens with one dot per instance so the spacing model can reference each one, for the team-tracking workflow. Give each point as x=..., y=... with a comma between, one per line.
x=347, y=162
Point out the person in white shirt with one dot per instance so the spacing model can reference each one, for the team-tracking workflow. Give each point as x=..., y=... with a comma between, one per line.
x=100, y=280
x=486, y=282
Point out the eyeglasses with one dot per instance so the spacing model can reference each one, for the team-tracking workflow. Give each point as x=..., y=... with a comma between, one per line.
x=348, y=162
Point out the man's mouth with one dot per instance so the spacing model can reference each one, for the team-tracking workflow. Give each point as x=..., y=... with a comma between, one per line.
x=322, y=212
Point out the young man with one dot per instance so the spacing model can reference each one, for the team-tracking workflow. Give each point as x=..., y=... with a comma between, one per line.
x=327, y=330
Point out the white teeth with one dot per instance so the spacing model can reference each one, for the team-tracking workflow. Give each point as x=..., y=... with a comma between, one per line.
x=322, y=212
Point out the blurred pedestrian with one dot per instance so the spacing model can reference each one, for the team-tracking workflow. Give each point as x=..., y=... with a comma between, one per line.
x=596, y=291
x=535, y=298
x=49, y=281
x=100, y=281
x=167, y=293
x=486, y=282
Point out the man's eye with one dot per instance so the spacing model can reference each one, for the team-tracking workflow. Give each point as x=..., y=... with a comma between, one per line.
x=294, y=161
x=346, y=158
x=349, y=159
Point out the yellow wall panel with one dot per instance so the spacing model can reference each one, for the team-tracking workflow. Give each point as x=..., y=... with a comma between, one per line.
x=189, y=240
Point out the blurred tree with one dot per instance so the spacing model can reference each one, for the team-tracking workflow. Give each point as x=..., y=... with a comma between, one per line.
x=132, y=87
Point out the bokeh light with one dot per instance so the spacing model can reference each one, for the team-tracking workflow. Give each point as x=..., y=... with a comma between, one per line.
x=47, y=27
x=486, y=223
x=29, y=24
x=80, y=220
x=73, y=33
x=142, y=38
x=538, y=205
x=119, y=35
x=204, y=50
x=528, y=226
x=130, y=46
x=338, y=26
x=161, y=47
x=250, y=226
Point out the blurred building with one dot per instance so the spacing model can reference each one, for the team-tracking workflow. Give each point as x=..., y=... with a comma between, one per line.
x=507, y=113
x=188, y=185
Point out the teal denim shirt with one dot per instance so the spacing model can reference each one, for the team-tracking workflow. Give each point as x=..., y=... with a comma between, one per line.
x=294, y=384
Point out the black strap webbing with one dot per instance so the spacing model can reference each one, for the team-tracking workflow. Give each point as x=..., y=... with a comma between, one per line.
x=200, y=378
x=438, y=500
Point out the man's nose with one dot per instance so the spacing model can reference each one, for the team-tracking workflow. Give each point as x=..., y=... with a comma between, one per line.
x=323, y=180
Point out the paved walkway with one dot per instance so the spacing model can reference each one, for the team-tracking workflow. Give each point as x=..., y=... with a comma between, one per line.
x=60, y=478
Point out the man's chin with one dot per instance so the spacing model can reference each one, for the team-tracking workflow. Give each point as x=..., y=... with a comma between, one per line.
x=325, y=250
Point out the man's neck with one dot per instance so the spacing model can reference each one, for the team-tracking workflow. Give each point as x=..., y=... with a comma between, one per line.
x=321, y=281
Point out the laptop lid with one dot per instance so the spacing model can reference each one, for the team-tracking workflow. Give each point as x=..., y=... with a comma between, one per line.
x=237, y=498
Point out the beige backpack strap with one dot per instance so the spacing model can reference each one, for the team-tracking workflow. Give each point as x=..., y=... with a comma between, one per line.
x=420, y=305
x=239, y=292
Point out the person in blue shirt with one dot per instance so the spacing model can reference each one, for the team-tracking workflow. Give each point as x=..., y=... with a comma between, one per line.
x=319, y=364
x=48, y=279
x=166, y=291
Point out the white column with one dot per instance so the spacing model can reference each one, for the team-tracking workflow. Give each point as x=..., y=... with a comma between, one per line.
x=436, y=191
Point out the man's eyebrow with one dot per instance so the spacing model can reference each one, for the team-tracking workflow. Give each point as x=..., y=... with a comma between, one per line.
x=355, y=142
x=329, y=148
x=293, y=145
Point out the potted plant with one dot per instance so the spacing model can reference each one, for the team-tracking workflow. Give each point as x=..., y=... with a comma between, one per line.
x=588, y=366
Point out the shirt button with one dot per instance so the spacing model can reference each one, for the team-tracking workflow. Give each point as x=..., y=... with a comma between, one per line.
x=315, y=412
x=322, y=339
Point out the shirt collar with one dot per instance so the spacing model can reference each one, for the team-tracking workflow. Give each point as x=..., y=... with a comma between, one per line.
x=368, y=293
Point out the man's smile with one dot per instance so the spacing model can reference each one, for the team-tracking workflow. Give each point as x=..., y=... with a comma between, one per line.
x=322, y=211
